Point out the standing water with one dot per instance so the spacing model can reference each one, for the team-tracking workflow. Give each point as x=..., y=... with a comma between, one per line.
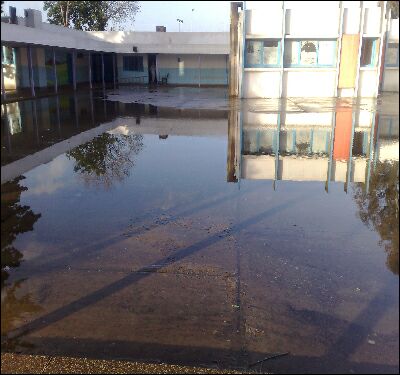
x=201, y=237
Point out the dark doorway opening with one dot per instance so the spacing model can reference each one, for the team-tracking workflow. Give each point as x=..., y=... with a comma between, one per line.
x=152, y=68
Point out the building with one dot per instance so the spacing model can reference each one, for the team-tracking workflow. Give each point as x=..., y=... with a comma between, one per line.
x=313, y=49
x=33, y=62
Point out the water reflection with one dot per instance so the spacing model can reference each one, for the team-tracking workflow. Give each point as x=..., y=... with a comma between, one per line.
x=379, y=208
x=15, y=220
x=350, y=146
x=178, y=264
x=107, y=159
x=342, y=146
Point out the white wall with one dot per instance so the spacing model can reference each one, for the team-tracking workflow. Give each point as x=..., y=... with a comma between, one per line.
x=367, y=83
x=299, y=169
x=351, y=20
x=303, y=83
x=117, y=41
x=391, y=80
x=311, y=21
x=372, y=21
x=261, y=84
x=267, y=22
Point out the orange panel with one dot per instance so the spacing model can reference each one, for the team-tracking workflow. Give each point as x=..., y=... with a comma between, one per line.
x=341, y=145
x=348, y=61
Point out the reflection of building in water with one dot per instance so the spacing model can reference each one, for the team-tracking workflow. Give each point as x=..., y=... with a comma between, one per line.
x=339, y=146
x=13, y=117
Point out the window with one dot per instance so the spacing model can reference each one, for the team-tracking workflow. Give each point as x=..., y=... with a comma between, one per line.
x=369, y=52
x=392, y=55
x=262, y=53
x=310, y=53
x=133, y=63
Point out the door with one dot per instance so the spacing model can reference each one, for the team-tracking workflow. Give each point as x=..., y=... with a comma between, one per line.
x=152, y=60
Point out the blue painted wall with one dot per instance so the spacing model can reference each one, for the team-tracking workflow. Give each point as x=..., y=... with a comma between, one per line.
x=190, y=76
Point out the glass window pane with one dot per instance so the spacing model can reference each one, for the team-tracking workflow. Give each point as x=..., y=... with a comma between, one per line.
x=326, y=52
x=271, y=52
x=291, y=53
x=308, y=54
x=391, y=53
x=253, y=52
x=366, y=51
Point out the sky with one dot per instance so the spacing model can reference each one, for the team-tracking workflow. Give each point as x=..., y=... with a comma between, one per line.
x=206, y=16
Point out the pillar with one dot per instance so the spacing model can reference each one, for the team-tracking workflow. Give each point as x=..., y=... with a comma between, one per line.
x=3, y=90
x=90, y=71
x=74, y=70
x=114, y=75
x=102, y=70
x=30, y=68
x=55, y=71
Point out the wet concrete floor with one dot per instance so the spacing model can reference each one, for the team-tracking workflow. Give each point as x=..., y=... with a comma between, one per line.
x=211, y=237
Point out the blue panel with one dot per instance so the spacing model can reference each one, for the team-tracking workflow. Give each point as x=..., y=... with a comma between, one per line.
x=190, y=76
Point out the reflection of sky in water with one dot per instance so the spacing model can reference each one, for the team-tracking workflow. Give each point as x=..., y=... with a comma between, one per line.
x=315, y=259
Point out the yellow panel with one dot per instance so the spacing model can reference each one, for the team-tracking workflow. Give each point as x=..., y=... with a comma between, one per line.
x=348, y=61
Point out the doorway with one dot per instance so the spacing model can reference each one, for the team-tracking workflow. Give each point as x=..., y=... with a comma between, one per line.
x=152, y=60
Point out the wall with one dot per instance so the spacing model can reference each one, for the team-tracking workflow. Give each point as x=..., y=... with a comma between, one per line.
x=117, y=41
x=193, y=69
x=308, y=20
x=391, y=74
x=309, y=83
x=127, y=75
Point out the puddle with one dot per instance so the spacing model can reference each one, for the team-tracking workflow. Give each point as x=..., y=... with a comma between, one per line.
x=202, y=237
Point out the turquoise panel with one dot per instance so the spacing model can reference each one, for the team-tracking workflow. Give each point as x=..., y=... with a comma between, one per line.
x=192, y=76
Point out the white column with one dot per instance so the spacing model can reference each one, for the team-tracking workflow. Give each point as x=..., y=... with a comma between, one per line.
x=3, y=90
x=199, y=70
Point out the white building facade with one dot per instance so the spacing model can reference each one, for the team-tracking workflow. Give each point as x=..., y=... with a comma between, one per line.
x=314, y=49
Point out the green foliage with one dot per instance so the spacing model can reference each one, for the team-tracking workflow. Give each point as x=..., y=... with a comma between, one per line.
x=90, y=15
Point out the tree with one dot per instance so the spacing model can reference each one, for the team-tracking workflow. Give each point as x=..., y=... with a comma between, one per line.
x=106, y=159
x=2, y=7
x=15, y=219
x=90, y=15
x=379, y=208
x=394, y=7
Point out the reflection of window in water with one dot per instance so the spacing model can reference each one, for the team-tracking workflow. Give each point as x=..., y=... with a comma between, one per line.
x=308, y=54
x=8, y=55
x=392, y=54
x=14, y=118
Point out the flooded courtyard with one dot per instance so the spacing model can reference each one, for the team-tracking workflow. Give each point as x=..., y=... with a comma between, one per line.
x=176, y=226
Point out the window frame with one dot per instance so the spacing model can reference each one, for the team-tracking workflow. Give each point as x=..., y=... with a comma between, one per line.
x=374, y=59
x=396, y=64
x=124, y=64
x=261, y=54
x=316, y=65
